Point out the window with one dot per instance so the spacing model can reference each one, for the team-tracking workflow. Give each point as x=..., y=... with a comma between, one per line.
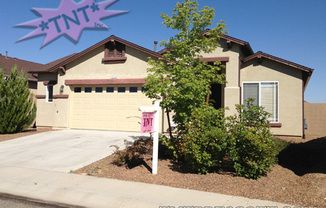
x=49, y=93
x=144, y=89
x=88, y=89
x=77, y=89
x=115, y=49
x=114, y=53
x=121, y=89
x=98, y=89
x=110, y=89
x=133, y=89
x=265, y=94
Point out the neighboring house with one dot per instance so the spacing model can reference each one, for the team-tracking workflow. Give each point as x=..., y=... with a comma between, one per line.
x=7, y=63
x=101, y=87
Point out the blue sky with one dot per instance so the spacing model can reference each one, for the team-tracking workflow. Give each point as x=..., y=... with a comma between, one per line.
x=294, y=30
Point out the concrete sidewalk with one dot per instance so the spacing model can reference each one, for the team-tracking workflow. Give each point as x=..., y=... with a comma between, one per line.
x=89, y=191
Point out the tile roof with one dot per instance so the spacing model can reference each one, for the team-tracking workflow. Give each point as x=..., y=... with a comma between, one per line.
x=55, y=65
x=260, y=54
x=307, y=72
x=8, y=62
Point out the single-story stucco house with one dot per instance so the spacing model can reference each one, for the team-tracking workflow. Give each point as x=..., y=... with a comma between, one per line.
x=101, y=87
x=8, y=63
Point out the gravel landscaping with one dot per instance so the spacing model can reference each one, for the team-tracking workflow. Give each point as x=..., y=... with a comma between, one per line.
x=298, y=179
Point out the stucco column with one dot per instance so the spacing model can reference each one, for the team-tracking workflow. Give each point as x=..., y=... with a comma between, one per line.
x=232, y=89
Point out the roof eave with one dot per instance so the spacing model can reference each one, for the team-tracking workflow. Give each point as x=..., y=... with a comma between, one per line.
x=260, y=54
x=242, y=43
x=101, y=43
x=305, y=69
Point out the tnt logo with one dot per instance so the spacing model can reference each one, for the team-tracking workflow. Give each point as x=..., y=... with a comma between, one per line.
x=147, y=124
x=70, y=19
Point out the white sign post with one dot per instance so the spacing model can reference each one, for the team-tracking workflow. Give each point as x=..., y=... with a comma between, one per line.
x=156, y=108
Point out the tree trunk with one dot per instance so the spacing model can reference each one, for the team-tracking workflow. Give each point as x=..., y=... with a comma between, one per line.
x=168, y=116
x=207, y=98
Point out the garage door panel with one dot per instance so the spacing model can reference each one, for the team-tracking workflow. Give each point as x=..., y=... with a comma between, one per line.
x=134, y=101
x=99, y=101
x=87, y=101
x=107, y=110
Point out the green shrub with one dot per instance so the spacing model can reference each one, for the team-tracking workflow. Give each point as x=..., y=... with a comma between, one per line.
x=252, y=147
x=253, y=155
x=209, y=139
x=133, y=155
x=17, y=109
x=204, y=143
x=242, y=141
x=280, y=144
x=165, y=149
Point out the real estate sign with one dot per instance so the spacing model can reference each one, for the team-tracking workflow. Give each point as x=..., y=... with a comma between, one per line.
x=147, y=122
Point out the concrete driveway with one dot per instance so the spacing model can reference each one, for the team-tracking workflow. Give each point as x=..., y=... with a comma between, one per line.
x=63, y=150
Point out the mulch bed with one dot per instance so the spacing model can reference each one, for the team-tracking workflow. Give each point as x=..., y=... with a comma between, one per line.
x=299, y=179
x=30, y=131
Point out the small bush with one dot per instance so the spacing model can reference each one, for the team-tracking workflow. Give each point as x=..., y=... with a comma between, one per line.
x=280, y=144
x=253, y=155
x=132, y=156
x=252, y=148
x=165, y=149
x=204, y=143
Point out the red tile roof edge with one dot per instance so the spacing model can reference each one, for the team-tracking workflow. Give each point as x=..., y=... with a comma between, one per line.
x=260, y=54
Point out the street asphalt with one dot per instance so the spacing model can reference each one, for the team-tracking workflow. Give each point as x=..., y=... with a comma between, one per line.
x=38, y=166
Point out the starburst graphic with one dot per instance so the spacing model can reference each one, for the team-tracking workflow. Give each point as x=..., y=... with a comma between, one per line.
x=69, y=20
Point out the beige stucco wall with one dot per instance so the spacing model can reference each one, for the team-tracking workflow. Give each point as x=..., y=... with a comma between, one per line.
x=55, y=113
x=290, y=92
x=231, y=89
x=89, y=66
x=315, y=114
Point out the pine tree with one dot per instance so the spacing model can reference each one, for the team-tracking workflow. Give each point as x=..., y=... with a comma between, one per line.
x=17, y=108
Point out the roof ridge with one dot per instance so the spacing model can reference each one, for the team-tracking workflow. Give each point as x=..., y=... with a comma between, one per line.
x=77, y=55
x=15, y=58
x=226, y=37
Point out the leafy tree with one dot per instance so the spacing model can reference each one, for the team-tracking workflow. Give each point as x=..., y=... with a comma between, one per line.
x=180, y=78
x=17, y=109
x=183, y=82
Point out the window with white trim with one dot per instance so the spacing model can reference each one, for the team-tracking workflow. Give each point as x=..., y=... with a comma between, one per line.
x=265, y=94
x=49, y=93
